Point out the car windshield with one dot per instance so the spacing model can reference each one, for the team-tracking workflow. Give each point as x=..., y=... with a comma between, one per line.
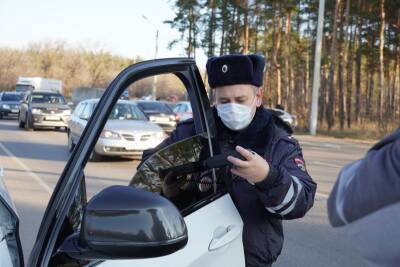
x=154, y=106
x=123, y=111
x=48, y=99
x=11, y=97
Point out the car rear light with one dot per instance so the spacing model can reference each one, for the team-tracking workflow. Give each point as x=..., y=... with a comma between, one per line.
x=177, y=117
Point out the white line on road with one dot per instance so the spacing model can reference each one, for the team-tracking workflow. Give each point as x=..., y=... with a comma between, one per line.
x=26, y=168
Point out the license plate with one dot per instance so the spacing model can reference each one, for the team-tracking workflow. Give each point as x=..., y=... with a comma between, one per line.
x=14, y=110
x=52, y=118
x=130, y=146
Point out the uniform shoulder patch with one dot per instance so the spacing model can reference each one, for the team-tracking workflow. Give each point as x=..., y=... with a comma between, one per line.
x=299, y=162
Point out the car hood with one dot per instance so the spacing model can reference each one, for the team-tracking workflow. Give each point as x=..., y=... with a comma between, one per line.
x=50, y=106
x=132, y=126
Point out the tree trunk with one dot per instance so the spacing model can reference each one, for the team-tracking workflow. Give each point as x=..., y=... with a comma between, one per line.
x=245, y=27
x=358, y=71
x=211, y=29
x=381, y=79
x=277, y=67
x=288, y=72
x=331, y=88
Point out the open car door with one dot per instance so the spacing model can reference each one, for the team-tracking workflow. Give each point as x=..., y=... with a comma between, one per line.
x=10, y=246
x=134, y=225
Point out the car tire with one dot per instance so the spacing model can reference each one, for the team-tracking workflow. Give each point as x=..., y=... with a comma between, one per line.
x=71, y=144
x=28, y=123
x=95, y=157
x=21, y=124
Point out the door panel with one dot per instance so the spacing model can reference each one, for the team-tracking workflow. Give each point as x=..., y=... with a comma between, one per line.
x=10, y=246
x=203, y=226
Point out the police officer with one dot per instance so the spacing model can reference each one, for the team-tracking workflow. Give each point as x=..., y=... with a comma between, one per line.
x=270, y=182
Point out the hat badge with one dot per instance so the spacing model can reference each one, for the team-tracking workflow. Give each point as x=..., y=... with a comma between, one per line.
x=225, y=68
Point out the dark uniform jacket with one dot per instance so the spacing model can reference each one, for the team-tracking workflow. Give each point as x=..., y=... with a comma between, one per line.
x=287, y=193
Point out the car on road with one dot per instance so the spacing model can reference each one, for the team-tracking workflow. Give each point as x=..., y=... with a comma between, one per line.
x=159, y=113
x=286, y=117
x=43, y=109
x=9, y=104
x=184, y=110
x=133, y=224
x=127, y=132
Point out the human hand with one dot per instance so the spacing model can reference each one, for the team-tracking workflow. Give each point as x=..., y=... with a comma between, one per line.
x=254, y=169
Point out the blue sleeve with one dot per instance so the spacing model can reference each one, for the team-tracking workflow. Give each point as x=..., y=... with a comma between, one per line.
x=288, y=191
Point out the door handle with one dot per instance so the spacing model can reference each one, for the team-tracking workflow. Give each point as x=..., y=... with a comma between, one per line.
x=223, y=236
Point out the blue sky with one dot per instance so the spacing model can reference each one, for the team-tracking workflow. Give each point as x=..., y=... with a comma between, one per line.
x=116, y=25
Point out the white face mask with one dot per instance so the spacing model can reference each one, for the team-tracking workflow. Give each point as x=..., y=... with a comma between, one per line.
x=235, y=116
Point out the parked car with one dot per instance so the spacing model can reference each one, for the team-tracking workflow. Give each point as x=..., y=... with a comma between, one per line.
x=127, y=133
x=159, y=113
x=43, y=109
x=125, y=225
x=184, y=110
x=288, y=118
x=9, y=104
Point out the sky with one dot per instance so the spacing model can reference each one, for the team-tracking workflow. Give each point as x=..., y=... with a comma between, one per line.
x=117, y=26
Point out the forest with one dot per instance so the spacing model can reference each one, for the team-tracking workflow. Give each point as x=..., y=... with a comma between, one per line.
x=360, y=68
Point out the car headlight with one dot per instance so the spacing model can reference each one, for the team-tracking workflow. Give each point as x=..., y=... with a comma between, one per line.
x=5, y=106
x=36, y=111
x=67, y=112
x=110, y=134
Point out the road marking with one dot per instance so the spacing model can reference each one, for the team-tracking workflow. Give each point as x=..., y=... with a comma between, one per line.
x=326, y=164
x=26, y=168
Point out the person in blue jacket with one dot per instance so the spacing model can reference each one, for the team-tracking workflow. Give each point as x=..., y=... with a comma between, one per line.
x=270, y=183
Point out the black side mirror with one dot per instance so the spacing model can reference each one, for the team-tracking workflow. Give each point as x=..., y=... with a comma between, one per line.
x=123, y=222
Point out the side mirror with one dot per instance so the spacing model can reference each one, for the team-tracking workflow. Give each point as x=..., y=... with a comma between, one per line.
x=123, y=222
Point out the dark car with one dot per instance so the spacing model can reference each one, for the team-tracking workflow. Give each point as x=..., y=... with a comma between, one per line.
x=9, y=104
x=159, y=113
x=43, y=109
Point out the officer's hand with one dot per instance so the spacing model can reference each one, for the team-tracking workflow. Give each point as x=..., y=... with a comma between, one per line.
x=172, y=184
x=254, y=169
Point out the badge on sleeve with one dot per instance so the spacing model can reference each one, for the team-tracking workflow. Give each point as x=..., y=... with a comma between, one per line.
x=300, y=163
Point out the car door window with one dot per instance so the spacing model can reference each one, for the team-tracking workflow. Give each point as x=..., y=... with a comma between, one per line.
x=86, y=112
x=78, y=109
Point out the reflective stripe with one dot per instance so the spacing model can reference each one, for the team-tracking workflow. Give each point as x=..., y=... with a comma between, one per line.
x=299, y=188
x=286, y=200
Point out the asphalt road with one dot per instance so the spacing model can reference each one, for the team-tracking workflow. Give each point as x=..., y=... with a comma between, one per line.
x=32, y=163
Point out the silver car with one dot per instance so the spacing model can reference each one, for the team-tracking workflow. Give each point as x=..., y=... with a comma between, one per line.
x=43, y=109
x=127, y=132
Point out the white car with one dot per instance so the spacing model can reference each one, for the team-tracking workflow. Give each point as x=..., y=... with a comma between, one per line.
x=128, y=132
x=128, y=226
